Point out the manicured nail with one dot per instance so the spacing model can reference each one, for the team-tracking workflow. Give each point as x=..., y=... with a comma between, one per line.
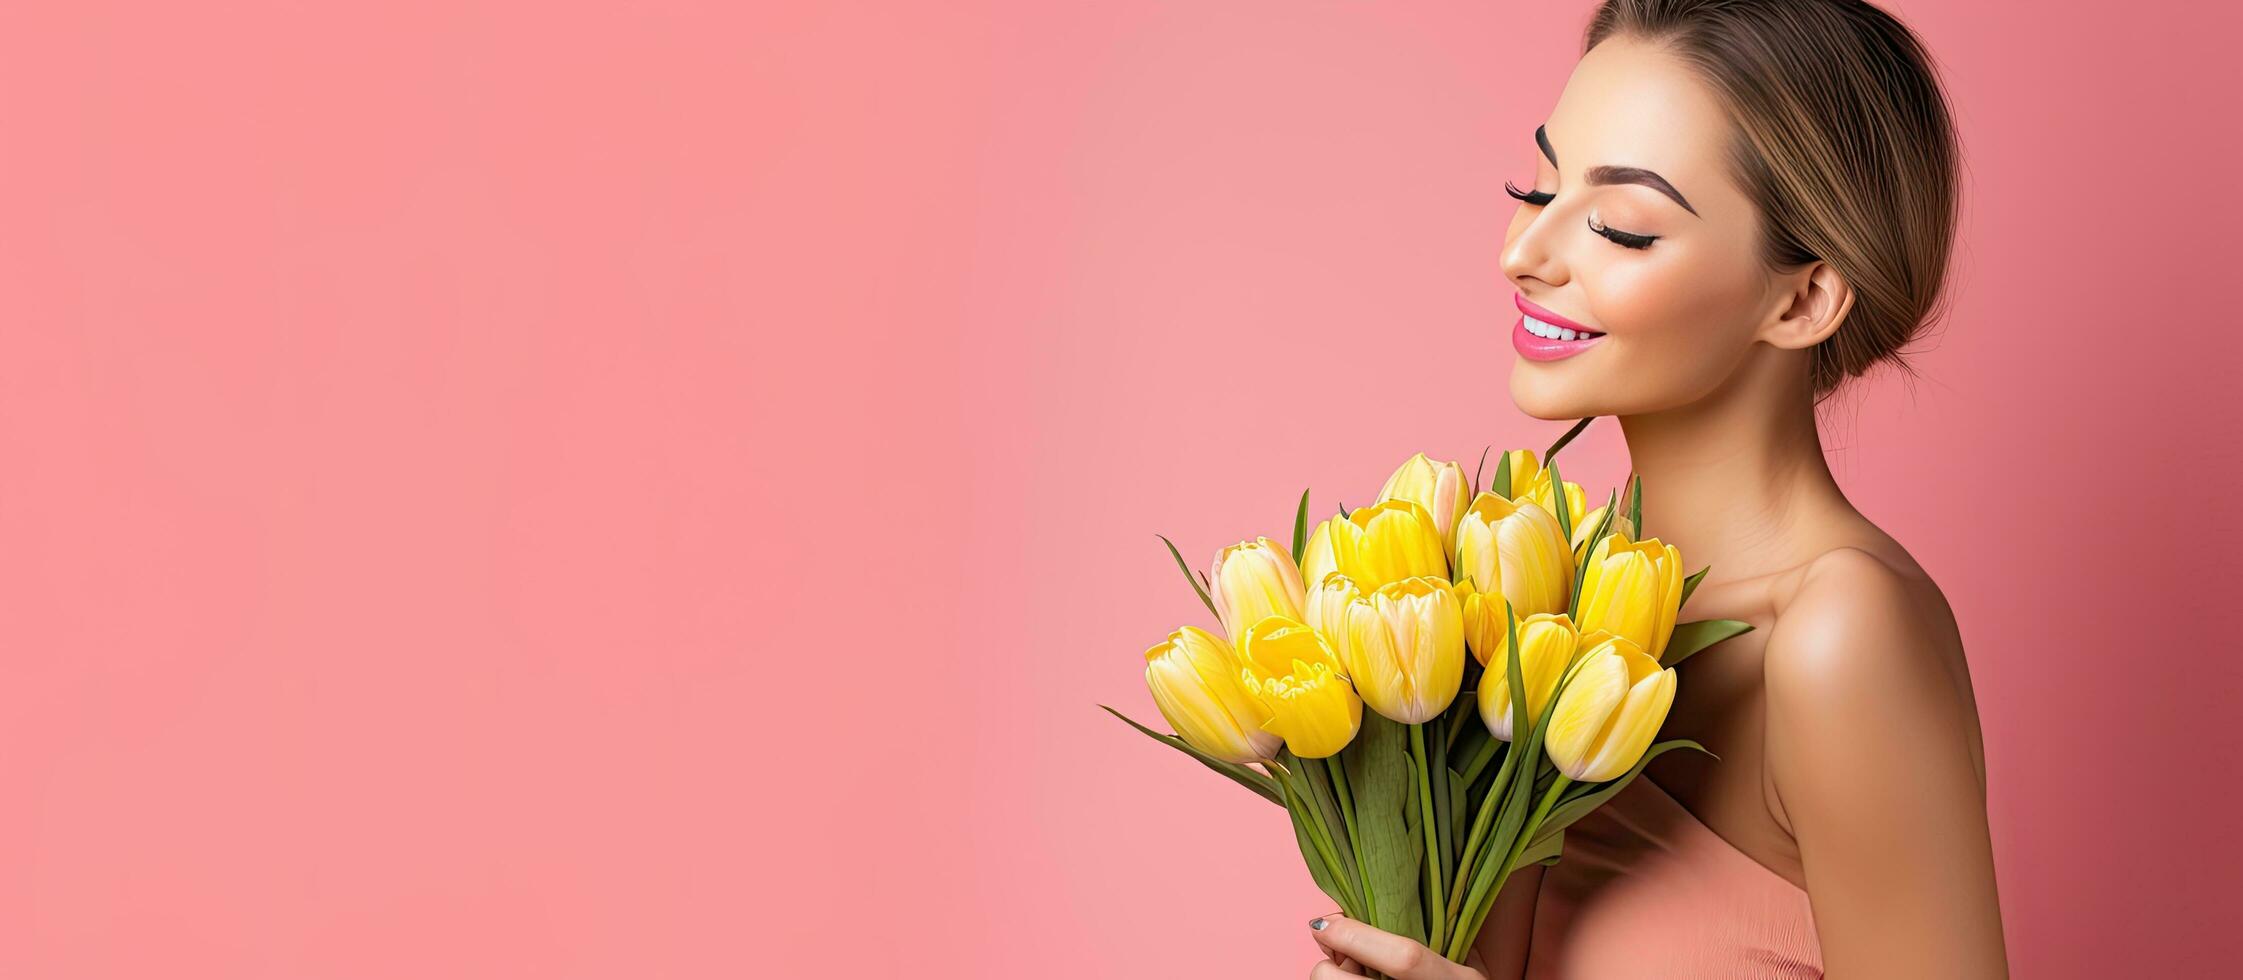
x=1316, y=924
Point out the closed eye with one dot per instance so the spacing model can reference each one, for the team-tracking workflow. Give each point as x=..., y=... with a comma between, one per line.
x=1623, y=239
x=1536, y=198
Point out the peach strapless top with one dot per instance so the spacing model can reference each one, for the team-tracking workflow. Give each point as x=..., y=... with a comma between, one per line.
x=1645, y=891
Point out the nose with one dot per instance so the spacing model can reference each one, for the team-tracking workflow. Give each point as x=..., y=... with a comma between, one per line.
x=1529, y=253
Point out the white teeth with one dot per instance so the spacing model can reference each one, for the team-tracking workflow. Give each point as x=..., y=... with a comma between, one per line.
x=1541, y=329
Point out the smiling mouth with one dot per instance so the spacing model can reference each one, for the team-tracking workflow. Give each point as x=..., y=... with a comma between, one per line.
x=1553, y=332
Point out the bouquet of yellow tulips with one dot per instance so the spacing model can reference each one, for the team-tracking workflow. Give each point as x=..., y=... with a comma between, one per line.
x=1413, y=813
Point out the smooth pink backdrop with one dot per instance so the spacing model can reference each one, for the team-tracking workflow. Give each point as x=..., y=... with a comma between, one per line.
x=567, y=490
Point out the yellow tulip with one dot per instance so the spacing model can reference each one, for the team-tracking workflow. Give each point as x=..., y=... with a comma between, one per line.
x=1586, y=524
x=1633, y=589
x=1316, y=557
x=1292, y=672
x=1609, y=712
x=1253, y=579
x=1195, y=680
x=1514, y=549
x=1576, y=499
x=1546, y=646
x=1403, y=643
x=1384, y=542
x=1326, y=606
x=1441, y=488
x=1524, y=468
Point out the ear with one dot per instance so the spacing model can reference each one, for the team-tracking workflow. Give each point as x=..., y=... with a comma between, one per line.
x=1812, y=309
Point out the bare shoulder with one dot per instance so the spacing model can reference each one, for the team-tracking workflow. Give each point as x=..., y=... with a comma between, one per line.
x=1859, y=644
x=1874, y=767
x=1850, y=618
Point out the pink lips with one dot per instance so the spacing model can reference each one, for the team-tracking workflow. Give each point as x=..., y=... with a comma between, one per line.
x=1536, y=348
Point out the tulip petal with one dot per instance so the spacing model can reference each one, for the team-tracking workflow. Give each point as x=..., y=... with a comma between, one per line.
x=1598, y=688
x=1670, y=599
x=1193, y=676
x=1252, y=580
x=1632, y=727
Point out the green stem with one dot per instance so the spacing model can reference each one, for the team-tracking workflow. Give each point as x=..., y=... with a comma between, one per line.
x=1320, y=836
x=1436, y=856
x=1452, y=725
x=1481, y=758
x=1443, y=805
x=1552, y=452
x=1354, y=839
x=1481, y=904
x=1468, y=868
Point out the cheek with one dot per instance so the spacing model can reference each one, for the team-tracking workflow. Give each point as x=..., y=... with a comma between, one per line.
x=1680, y=301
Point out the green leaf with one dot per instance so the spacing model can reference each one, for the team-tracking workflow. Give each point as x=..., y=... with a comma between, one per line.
x=1515, y=679
x=1581, y=568
x=1300, y=528
x=1315, y=862
x=1503, y=476
x=1460, y=816
x=1557, y=499
x=1377, y=764
x=1437, y=767
x=1335, y=775
x=1544, y=850
x=1260, y=783
x=1552, y=452
x=1690, y=584
x=1635, y=504
x=1323, y=796
x=1518, y=798
x=1476, y=470
x=1187, y=570
x=1690, y=638
x=1588, y=796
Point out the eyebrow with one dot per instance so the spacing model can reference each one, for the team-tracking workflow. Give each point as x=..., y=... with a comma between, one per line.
x=1616, y=175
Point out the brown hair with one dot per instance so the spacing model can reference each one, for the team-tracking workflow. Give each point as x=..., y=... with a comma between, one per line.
x=1844, y=143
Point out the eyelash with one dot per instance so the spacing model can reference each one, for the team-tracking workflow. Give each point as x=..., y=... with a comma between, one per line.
x=1536, y=198
x=1620, y=238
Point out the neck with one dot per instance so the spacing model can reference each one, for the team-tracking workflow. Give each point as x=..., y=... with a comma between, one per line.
x=1737, y=480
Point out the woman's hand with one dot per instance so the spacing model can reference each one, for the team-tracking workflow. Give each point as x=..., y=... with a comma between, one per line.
x=1352, y=946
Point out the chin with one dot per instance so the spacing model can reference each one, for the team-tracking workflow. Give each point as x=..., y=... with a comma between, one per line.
x=1548, y=394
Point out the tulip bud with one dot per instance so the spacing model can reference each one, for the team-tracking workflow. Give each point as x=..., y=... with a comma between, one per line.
x=1403, y=644
x=1385, y=542
x=1316, y=557
x=1576, y=499
x=1514, y=548
x=1440, y=488
x=1253, y=579
x=1524, y=468
x=1195, y=680
x=1586, y=524
x=1327, y=603
x=1291, y=671
x=1609, y=712
x=1546, y=646
x=1634, y=590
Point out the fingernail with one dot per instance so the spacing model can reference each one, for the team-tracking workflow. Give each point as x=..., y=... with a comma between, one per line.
x=1317, y=923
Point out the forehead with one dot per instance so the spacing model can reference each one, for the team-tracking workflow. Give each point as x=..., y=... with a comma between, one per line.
x=1631, y=103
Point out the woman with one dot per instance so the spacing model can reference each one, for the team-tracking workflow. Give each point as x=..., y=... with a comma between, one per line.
x=1738, y=204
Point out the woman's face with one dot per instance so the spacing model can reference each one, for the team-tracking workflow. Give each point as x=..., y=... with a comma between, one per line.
x=1635, y=230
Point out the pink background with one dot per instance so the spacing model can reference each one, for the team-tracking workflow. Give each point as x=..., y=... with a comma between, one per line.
x=523, y=490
